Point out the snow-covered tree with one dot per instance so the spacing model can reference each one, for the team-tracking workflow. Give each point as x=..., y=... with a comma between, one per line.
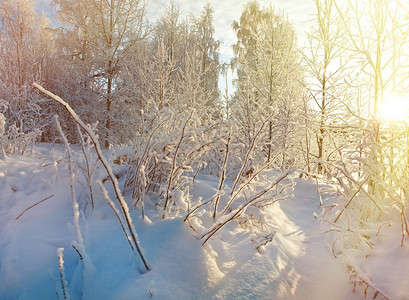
x=207, y=47
x=168, y=70
x=371, y=169
x=192, y=58
x=175, y=82
x=97, y=38
x=270, y=79
x=326, y=64
x=378, y=31
x=27, y=54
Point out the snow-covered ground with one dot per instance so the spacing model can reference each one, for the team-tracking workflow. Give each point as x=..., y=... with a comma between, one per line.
x=296, y=264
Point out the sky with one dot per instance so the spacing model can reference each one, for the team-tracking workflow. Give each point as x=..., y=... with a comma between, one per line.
x=299, y=13
x=227, y=11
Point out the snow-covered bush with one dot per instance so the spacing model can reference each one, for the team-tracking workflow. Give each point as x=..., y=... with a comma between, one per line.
x=372, y=182
x=245, y=206
x=174, y=147
x=23, y=124
x=255, y=186
x=373, y=178
x=166, y=157
x=14, y=140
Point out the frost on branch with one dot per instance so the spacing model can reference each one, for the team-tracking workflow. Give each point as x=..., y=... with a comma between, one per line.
x=124, y=206
x=65, y=294
x=370, y=200
x=247, y=208
x=2, y=123
x=166, y=158
x=15, y=140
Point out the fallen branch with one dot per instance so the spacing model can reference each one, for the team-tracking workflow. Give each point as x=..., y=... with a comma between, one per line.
x=94, y=139
x=259, y=242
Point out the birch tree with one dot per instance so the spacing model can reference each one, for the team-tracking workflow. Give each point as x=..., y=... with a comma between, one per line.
x=208, y=47
x=326, y=64
x=378, y=33
x=270, y=79
x=26, y=55
x=98, y=37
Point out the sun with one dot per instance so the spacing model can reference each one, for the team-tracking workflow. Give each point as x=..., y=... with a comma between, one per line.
x=395, y=108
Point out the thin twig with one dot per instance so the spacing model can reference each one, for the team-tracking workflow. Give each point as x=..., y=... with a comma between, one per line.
x=222, y=176
x=77, y=250
x=34, y=205
x=239, y=211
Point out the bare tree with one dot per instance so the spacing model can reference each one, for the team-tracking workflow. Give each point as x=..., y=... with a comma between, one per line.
x=326, y=63
x=378, y=32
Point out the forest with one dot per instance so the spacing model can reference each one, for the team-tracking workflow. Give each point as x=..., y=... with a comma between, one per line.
x=139, y=114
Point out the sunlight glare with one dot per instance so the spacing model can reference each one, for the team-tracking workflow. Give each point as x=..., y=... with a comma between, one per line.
x=395, y=108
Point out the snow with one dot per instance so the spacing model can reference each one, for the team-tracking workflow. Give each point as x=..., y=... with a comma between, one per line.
x=320, y=274
x=295, y=263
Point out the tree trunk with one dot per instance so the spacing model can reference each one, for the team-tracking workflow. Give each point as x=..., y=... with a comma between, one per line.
x=108, y=106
